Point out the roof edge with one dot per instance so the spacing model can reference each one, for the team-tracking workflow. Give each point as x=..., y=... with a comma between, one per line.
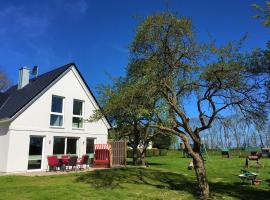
x=24, y=107
x=92, y=94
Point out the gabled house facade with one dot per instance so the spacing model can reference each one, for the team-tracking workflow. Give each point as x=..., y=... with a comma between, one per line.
x=47, y=115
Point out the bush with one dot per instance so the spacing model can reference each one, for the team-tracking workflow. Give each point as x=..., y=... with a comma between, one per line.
x=155, y=151
x=149, y=153
x=163, y=152
x=129, y=153
x=163, y=141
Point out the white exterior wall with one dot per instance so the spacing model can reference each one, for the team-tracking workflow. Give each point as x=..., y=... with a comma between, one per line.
x=4, y=142
x=35, y=120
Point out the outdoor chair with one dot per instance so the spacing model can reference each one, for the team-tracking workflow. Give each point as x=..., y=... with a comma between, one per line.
x=72, y=162
x=252, y=158
x=53, y=163
x=83, y=161
x=64, y=160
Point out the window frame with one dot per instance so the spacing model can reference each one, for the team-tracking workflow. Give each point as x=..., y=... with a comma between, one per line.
x=53, y=143
x=91, y=138
x=78, y=116
x=57, y=113
x=65, y=145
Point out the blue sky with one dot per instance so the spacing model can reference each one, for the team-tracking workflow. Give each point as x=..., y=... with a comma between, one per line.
x=95, y=34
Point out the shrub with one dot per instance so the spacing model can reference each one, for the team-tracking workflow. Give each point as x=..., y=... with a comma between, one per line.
x=149, y=153
x=129, y=153
x=163, y=152
x=155, y=151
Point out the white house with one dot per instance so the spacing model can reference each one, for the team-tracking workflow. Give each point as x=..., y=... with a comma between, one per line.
x=46, y=115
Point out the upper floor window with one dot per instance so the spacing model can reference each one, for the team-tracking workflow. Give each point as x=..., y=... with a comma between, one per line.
x=57, y=111
x=77, y=118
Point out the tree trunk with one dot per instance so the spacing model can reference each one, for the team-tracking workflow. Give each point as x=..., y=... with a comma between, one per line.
x=135, y=155
x=199, y=168
x=261, y=139
x=142, y=158
x=201, y=176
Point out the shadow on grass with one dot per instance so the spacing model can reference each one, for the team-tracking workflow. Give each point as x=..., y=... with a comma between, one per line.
x=116, y=178
x=239, y=191
x=149, y=163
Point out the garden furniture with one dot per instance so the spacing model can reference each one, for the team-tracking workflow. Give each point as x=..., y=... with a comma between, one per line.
x=83, y=161
x=102, y=156
x=64, y=161
x=249, y=176
x=225, y=153
x=72, y=162
x=53, y=163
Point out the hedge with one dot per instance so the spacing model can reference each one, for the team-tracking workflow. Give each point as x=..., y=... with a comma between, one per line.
x=163, y=152
x=150, y=152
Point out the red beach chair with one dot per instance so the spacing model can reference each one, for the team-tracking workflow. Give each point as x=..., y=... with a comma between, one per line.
x=102, y=156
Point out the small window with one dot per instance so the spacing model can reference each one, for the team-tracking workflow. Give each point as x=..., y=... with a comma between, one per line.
x=77, y=118
x=77, y=107
x=57, y=111
x=57, y=104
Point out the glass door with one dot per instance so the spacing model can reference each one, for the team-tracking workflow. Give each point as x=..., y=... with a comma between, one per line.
x=90, y=145
x=35, y=152
x=71, y=147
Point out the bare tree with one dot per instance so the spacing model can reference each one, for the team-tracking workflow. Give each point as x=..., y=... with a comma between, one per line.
x=4, y=82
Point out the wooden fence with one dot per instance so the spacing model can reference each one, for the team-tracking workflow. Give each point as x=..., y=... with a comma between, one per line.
x=119, y=152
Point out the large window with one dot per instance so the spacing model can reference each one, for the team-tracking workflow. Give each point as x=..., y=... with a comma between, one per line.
x=57, y=111
x=59, y=145
x=77, y=118
x=71, y=146
x=64, y=145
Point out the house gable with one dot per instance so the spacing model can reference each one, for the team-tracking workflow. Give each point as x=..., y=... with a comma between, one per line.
x=70, y=85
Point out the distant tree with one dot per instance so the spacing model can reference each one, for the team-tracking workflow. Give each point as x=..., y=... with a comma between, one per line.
x=4, y=82
x=166, y=60
x=129, y=113
x=163, y=141
x=238, y=129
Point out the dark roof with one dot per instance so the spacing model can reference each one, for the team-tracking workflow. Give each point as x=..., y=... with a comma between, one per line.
x=14, y=100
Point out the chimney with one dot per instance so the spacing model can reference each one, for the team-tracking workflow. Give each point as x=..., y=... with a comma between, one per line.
x=23, y=77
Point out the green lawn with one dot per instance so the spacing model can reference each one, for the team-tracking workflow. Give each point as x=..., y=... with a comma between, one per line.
x=166, y=178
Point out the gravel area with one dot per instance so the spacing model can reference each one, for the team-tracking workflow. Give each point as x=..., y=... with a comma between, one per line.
x=44, y=173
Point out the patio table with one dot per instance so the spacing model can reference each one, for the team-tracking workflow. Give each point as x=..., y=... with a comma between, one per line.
x=60, y=159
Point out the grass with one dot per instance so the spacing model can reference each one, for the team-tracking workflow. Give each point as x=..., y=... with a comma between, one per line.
x=166, y=178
